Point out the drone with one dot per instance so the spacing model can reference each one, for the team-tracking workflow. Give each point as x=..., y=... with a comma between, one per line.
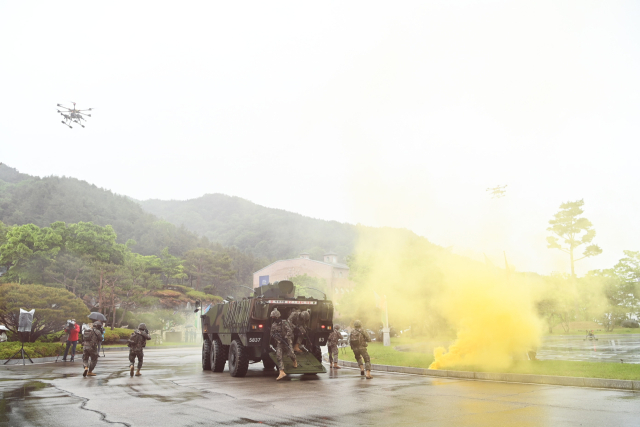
x=498, y=191
x=72, y=115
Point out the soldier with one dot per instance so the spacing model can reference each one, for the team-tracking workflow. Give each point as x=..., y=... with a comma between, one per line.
x=90, y=339
x=137, y=341
x=332, y=347
x=282, y=333
x=358, y=340
x=298, y=320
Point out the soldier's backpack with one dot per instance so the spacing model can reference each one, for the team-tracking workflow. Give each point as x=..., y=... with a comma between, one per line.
x=87, y=335
x=356, y=339
x=135, y=339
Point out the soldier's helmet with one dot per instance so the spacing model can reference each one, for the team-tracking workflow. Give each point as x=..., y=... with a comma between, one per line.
x=275, y=313
x=97, y=324
x=357, y=324
x=142, y=326
x=336, y=327
x=305, y=316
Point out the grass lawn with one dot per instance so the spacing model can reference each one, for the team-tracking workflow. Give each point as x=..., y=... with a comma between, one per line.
x=388, y=356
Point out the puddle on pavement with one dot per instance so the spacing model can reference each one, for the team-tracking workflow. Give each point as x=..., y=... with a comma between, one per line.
x=21, y=393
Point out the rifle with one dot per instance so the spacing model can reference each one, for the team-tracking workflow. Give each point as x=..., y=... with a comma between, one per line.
x=279, y=338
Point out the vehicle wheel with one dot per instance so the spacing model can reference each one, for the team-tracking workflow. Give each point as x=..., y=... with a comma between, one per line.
x=317, y=352
x=238, y=359
x=267, y=362
x=206, y=354
x=218, y=356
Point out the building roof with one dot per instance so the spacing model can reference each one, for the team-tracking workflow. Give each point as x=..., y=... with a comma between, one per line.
x=305, y=259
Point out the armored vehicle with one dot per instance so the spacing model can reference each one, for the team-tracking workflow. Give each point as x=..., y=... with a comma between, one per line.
x=239, y=332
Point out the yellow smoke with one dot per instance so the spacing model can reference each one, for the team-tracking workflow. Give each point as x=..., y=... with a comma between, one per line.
x=434, y=292
x=494, y=316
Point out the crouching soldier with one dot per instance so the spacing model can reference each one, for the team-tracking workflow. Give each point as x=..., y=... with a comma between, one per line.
x=282, y=333
x=358, y=340
x=332, y=347
x=90, y=339
x=136, y=343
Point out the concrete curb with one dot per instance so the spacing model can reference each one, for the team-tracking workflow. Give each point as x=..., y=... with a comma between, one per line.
x=512, y=378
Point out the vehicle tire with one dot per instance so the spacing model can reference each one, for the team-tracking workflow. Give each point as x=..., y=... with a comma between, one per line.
x=317, y=352
x=267, y=362
x=218, y=356
x=238, y=359
x=206, y=354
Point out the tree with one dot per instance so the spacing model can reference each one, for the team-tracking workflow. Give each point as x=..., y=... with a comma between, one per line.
x=27, y=249
x=53, y=307
x=569, y=226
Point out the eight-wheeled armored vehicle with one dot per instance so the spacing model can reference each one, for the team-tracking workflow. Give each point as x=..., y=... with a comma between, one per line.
x=239, y=332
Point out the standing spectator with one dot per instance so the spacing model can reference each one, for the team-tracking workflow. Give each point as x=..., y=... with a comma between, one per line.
x=73, y=329
x=101, y=340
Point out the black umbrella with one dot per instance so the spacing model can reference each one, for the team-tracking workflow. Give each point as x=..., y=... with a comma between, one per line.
x=97, y=316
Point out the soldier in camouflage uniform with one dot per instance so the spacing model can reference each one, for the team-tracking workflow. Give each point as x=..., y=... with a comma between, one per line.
x=358, y=340
x=298, y=320
x=90, y=339
x=136, y=343
x=282, y=333
x=332, y=347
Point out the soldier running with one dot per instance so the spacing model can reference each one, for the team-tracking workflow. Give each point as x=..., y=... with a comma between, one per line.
x=358, y=340
x=90, y=339
x=332, y=347
x=282, y=333
x=137, y=341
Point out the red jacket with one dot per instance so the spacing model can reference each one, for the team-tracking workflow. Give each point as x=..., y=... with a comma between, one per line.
x=73, y=332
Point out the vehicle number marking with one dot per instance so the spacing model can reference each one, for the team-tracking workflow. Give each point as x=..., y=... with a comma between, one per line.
x=254, y=339
x=320, y=339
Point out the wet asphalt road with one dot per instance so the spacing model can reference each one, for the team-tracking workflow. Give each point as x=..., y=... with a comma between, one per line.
x=174, y=391
x=607, y=348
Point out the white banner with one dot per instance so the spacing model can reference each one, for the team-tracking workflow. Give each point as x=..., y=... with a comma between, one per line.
x=273, y=301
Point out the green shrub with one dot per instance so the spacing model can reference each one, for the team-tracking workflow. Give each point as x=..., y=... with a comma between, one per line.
x=36, y=349
x=111, y=337
x=54, y=337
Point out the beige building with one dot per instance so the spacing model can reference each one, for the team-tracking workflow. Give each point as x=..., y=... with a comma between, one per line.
x=336, y=275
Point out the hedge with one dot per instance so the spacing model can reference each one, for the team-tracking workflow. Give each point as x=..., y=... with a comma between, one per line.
x=33, y=349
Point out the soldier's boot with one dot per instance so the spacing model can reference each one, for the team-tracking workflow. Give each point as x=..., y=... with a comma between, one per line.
x=296, y=348
x=362, y=370
x=91, y=374
x=369, y=375
x=335, y=365
x=138, y=373
x=86, y=371
x=295, y=363
x=281, y=376
x=131, y=370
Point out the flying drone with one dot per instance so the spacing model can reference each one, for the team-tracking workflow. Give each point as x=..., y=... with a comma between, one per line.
x=73, y=115
x=498, y=191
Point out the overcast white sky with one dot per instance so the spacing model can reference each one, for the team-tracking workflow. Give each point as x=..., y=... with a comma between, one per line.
x=396, y=113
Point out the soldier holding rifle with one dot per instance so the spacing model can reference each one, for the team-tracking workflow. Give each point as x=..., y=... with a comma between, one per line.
x=282, y=332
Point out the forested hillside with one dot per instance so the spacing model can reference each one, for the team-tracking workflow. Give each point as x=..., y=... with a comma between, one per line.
x=264, y=232
x=26, y=199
